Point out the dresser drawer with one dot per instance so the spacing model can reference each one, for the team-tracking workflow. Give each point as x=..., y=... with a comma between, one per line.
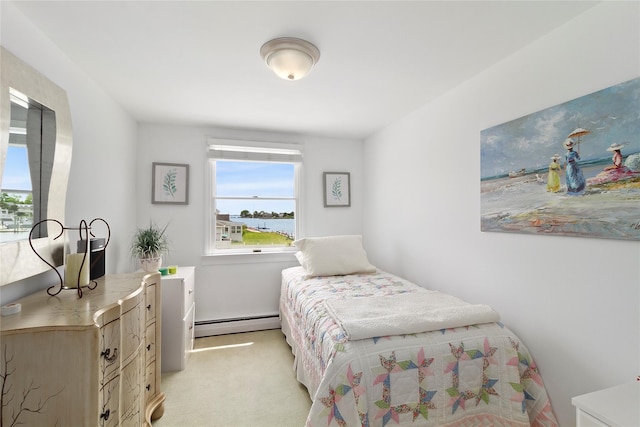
x=132, y=323
x=132, y=330
x=109, y=338
x=150, y=304
x=178, y=292
x=150, y=342
x=585, y=420
x=189, y=293
x=188, y=334
x=133, y=418
x=131, y=379
x=150, y=382
x=109, y=404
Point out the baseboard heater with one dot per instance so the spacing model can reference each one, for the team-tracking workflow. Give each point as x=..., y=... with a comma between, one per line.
x=207, y=328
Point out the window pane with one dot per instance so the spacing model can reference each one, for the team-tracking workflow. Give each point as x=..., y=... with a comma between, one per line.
x=16, y=201
x=16, y=172
x=249, y=179
x=259, y=223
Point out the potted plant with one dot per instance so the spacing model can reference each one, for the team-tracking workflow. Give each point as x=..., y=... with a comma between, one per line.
x=148, y=245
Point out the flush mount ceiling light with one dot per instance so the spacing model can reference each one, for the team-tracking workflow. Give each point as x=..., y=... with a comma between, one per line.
x=290, y=58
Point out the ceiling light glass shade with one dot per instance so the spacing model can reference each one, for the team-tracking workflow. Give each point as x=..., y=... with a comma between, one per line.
x=290, y=58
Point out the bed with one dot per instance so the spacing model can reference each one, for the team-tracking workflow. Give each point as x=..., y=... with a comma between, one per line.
x=362, y=367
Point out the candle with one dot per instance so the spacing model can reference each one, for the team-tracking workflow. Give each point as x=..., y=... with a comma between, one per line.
x=73, y=265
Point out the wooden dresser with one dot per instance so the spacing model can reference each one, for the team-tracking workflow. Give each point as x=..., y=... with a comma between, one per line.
x=93, y=361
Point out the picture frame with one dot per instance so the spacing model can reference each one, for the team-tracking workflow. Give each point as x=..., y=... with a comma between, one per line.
x=170, y=183
x=337, y=189
x=572, y=169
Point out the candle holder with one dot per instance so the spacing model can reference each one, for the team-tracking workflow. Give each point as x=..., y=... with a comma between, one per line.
x=76, y=256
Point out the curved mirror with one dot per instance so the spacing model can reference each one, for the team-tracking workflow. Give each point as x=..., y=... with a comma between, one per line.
x=35, y=130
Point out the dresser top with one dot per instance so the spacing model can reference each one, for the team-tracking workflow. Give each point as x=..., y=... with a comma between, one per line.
x=40, y=310
x=616, y=406
x=181, y=273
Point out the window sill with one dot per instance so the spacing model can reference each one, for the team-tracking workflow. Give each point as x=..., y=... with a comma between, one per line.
x=249, y=257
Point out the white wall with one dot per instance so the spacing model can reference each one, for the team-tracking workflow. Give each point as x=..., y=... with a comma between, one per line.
x=236, y=287
x=573, y=301
x=104, y=139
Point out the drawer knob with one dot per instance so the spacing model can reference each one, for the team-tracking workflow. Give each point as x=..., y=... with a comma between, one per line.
x=148, y=387
x=149, y=307
x=108, y=356
x=148, y=347
x=105, y=415
x=190, y=291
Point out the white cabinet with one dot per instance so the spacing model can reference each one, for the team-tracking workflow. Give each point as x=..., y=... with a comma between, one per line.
x=90, y=361
x=613, y=407
x=178, y=314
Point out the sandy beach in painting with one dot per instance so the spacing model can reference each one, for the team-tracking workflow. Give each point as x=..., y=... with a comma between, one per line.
x=523, y=205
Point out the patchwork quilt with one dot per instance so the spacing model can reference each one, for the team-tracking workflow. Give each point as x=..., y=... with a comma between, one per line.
x=472, y=375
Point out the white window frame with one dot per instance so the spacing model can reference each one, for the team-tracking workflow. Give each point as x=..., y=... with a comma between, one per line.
x=226, y=149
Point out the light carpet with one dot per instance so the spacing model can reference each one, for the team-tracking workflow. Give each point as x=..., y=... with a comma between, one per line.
x=236, y=380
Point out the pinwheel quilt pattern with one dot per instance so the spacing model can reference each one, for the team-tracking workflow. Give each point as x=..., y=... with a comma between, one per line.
x=474, y=375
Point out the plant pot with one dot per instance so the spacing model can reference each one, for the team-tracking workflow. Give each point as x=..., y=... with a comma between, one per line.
x=151, y=265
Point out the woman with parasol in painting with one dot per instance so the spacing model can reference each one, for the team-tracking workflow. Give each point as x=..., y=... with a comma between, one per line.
x=574, y=176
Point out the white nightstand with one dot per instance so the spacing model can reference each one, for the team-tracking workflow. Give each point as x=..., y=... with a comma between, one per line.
x=178, y=314
x=617, y=406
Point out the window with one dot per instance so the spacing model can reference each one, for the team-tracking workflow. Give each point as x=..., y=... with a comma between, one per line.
x=254, y=190
x=23, y=151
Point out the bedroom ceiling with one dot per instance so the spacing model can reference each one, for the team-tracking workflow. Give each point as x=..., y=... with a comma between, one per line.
x=198, y=62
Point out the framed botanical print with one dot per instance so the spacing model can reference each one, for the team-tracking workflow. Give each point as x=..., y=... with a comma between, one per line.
x=337, y=189
x=170, y=184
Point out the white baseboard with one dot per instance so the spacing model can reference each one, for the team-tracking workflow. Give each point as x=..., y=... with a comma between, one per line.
x=207, y=329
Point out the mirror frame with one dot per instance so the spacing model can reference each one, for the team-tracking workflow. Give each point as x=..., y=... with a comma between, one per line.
x=17, y=259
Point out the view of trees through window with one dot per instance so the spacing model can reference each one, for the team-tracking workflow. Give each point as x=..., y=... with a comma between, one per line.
x=16, y=198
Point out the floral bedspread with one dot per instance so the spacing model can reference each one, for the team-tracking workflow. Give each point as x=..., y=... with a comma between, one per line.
x=477, y=375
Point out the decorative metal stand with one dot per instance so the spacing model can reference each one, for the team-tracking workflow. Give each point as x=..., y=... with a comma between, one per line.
x=73, y=261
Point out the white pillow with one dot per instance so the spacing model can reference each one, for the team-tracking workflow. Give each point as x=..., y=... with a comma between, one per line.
x=333, y=256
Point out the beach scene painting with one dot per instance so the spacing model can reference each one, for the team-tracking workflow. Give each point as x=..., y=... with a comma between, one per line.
x=570, y=170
